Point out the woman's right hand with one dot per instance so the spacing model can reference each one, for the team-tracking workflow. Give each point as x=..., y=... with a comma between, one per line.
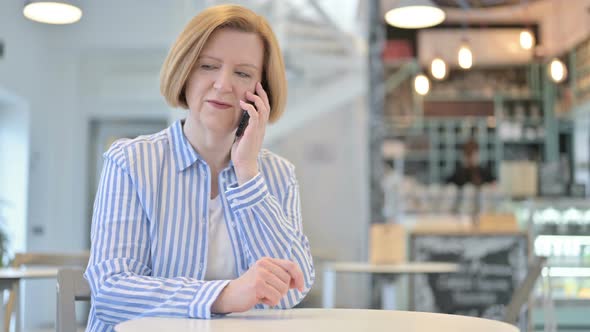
x=267, y=281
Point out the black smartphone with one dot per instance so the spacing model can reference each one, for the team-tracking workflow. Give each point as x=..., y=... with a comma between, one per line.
x=243, y=123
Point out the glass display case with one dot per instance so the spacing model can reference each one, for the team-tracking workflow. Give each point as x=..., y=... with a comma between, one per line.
x=560, y=230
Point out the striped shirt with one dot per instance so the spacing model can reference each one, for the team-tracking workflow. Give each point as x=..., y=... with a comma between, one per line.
x=149, y=229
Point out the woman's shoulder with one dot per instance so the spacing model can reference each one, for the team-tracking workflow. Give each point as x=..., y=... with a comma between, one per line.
x=123, y=149
x=271, y=160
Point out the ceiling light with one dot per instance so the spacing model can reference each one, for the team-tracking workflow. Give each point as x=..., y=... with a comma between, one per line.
x=527, y=40
x=438, y=68
x=414, y=14
x=56, y=12
x=421, y=84
x=557, y=70
x=465, y=56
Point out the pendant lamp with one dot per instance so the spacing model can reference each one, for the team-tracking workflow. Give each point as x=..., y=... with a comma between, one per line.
x=53, y=12
x=414, y=14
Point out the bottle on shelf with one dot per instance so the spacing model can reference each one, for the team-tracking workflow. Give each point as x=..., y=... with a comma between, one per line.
x=534, y=114
x=519, y=115
x=572, y=219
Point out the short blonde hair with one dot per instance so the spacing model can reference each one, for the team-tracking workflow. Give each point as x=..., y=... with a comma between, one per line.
x=187, y=48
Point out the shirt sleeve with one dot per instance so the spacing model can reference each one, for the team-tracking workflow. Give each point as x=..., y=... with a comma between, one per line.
x=269, y=227
x=119, y=270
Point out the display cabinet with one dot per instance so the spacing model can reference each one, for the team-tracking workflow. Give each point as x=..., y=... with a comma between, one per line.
x=560, y=230
x=501, y=107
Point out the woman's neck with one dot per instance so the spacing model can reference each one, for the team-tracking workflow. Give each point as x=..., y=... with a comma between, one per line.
x=214, y=149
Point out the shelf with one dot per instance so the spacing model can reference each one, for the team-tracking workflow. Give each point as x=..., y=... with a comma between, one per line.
x=416, y=159
x=525, y=123
x=563, y=300
x=457, y=97
x=530, y=141
x=566, y=264
x=567, y=272
x=439, y=96
x=516, y=98
x=584, y=239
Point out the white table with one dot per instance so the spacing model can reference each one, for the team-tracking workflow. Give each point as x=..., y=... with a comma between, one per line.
x=331, y=268
x=9, y=277
x=340, y=320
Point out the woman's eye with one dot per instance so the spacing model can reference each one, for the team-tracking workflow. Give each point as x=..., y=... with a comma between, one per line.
x=207, y=67
x=242, y=74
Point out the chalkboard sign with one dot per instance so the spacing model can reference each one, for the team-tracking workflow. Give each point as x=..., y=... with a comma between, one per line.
x=491, y=267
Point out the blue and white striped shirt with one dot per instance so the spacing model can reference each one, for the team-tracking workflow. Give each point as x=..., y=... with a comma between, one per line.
x=149, y=229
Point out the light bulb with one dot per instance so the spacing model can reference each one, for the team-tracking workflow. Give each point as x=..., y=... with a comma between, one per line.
x=527, y=40
x=557, y=70
x=438, y=68
x=421, y=84
x=465, y=57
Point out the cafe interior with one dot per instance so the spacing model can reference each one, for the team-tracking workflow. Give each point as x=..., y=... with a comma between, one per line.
x=443, y=165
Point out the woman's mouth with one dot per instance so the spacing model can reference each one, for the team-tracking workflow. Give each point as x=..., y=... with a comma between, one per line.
x=219, y=104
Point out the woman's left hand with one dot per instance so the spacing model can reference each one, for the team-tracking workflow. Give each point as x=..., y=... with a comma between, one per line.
x=244, y=152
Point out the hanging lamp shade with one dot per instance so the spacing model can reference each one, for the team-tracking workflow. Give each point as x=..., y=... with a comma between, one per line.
x=438, y=68
x=557, y=70
x=465, y=56
x=414, y=14
x=421, y=84
x=527, y=39
x=53, y=12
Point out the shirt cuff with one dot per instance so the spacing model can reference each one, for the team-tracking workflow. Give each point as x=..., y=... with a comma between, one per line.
x=248, y=194
x=200, y=307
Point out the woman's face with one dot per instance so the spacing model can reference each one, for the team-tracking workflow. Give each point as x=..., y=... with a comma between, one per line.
x=229, y=65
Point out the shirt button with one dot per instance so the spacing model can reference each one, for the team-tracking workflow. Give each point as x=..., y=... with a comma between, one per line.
x=201, y=267
x=233, y=224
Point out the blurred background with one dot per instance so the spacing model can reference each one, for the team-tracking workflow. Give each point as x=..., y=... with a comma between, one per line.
x=380, y=114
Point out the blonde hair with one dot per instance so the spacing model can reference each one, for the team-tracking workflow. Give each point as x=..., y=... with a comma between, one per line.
x=187, y=48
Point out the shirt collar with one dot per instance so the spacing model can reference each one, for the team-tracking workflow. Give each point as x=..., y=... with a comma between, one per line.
x=184, y=154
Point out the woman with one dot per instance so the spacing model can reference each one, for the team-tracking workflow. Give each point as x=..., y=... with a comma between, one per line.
x=194, y=221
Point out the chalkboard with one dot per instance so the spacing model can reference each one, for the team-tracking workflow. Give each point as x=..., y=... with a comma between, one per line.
x=491, y=267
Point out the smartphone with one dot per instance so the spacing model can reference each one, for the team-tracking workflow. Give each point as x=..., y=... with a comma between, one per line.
x=243, y=123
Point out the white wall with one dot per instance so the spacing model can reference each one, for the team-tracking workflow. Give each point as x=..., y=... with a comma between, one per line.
x=43, y=64
x=331, y=159
x=24, y=71
x=14, y=168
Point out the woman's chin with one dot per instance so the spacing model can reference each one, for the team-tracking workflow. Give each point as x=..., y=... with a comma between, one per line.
x=218, y=124
x=219, y=130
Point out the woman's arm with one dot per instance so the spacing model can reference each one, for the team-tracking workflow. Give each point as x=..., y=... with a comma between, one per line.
x=119, y=270
x=272, y=228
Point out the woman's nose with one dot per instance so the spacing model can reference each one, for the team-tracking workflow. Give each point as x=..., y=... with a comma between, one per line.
x=223, y=81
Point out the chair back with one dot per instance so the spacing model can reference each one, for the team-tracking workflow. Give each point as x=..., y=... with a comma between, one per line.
x=523, y=292
x=71, y=287
x=79, y=259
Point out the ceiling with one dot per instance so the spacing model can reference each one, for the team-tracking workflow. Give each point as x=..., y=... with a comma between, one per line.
x=474, y=4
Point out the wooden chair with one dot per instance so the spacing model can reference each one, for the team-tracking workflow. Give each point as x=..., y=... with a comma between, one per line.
x=71, y=287
x=37, y=259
